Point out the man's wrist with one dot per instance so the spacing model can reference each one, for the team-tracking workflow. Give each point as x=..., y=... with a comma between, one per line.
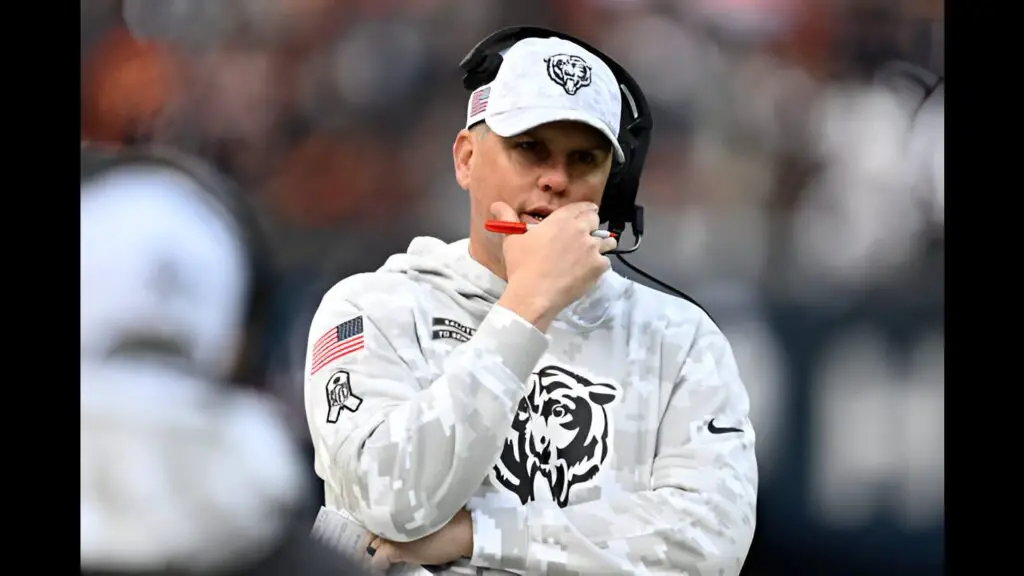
x=533, y=309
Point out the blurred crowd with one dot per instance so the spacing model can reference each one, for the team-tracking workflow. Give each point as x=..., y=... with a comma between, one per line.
x=794, y=185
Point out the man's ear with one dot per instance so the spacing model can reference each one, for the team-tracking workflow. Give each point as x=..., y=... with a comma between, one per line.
x=462, y=155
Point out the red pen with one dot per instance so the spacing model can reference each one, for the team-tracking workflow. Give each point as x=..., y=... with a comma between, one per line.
x=502, y=227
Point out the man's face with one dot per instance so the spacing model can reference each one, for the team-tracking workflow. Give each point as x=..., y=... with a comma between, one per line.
x=535, y=172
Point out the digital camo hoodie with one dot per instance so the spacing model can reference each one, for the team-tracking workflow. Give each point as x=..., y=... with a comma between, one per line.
x=619, y=442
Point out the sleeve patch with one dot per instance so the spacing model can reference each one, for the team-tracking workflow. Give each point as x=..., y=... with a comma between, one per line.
x=340, y=341
x=340, y=396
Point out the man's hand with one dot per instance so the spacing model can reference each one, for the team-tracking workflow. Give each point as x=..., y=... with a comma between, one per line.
x=448, y=544
x=553, y=264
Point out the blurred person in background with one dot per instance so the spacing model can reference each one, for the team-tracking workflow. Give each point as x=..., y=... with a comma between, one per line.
x=185, y=467
x=509, y=404
x=875, y=203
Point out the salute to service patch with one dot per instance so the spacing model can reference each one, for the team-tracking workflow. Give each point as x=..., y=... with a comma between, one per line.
x=443, y=328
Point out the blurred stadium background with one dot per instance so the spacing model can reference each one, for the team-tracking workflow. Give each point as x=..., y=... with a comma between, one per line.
x=784, y=191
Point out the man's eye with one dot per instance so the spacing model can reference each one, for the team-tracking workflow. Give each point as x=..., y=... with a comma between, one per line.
x=585, y=157
x=526, y=145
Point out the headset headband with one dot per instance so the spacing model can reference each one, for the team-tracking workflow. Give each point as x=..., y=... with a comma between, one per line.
x=618, y=205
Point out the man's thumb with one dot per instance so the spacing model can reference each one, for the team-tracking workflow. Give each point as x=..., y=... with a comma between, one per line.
x=503, y=212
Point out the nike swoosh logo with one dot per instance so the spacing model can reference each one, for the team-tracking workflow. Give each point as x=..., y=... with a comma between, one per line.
x=716, y=430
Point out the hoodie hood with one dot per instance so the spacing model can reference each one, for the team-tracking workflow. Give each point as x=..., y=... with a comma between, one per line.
x=178, y=472
x=450, y=268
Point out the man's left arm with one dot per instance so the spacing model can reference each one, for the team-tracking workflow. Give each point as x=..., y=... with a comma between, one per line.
x=699, y=515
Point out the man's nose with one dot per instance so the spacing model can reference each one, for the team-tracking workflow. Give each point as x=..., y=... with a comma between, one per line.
x=554, y=178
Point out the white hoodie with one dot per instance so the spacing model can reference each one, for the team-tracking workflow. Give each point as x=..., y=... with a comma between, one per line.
x=179, y=472
x=617, y=443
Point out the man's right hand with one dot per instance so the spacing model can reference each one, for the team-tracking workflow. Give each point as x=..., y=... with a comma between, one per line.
x=555, y=263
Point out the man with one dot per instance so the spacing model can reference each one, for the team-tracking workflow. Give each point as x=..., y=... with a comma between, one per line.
x=509, y=403
x=183, y=470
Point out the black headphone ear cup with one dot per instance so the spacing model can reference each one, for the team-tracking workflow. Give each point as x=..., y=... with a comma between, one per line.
x=615, y=176
x=619, y=169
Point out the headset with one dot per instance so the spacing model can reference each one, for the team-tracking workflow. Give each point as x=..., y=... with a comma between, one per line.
x=250, y=366
x=618, y=205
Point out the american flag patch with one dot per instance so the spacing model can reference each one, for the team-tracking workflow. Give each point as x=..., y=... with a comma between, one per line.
x=342, y=340
x=478, y=102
